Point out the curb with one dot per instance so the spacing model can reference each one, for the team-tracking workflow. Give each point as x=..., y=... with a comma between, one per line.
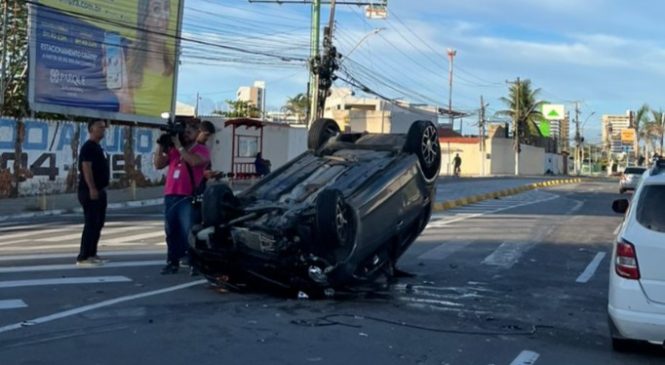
x=441, y=206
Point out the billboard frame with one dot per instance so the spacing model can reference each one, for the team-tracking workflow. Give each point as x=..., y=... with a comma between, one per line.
x=33, y=12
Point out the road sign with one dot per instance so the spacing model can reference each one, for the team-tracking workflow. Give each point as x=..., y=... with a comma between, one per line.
x=628, y=135
x=553, y=111
x=376, y=11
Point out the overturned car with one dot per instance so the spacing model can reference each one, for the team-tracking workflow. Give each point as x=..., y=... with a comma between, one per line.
x=340, y=214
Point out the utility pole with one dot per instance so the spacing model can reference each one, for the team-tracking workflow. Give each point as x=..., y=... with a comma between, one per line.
x=313, y=62
x=577, y=138
x=481, y=127
x=196, y=108
x=3, y=64
x=451, y=55
x=516, y=129
x=317, y=66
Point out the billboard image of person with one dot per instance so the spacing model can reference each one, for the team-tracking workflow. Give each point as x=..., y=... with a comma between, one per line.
x=104, y=59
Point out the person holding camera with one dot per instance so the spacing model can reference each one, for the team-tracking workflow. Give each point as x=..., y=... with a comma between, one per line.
x=186, y=161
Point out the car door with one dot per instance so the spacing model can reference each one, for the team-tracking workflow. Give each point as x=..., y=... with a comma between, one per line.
x=647, y=234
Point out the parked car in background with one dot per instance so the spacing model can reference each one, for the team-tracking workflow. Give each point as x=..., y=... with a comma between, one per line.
x=636, y=304
x=630, y=178
x=340, y=214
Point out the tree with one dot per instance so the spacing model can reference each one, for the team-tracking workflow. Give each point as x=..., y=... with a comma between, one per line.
x=639, y=122
x=241, y=109
x=297, y=106
x=526, y=110
x=15, y=51
x=657, y=129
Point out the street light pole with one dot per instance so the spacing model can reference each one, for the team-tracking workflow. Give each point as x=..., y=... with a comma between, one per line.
x=451, y=55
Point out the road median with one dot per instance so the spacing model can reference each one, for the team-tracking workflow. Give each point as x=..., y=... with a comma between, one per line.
x=450, y=204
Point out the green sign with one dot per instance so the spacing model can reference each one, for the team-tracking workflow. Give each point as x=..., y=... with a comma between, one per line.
x=544, y=127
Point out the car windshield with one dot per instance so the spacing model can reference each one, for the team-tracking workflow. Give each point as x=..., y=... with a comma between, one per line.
x=634, y=170
x=650, y=212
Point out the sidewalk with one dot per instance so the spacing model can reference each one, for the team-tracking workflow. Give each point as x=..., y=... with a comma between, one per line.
x=450, y=192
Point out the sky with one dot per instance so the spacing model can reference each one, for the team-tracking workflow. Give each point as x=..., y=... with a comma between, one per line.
x=608, y=55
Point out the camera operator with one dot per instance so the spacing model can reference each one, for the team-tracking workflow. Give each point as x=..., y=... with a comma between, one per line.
x=186, y=161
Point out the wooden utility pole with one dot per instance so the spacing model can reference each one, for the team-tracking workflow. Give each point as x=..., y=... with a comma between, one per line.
x=577, y=138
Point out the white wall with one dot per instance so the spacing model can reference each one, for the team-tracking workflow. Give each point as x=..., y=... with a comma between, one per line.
x=532, y=159
x=281, y=143
x=554, y=162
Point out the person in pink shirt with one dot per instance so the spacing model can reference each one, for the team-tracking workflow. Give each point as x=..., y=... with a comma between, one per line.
x=186, y=161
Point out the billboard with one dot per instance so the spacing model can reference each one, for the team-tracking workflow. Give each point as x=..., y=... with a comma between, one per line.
x=104, y=59
x=553, y=111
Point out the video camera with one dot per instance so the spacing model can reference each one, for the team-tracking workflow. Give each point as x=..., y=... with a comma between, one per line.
x=173, y=128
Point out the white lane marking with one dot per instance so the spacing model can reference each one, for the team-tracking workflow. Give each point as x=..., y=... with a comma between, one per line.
x=71, y=256
x=446, y=303
x=616, y=231
x=507, y=254
x=439, y=224
x=526, y=358
x=105, y=232
x=591, y=268
x=578, y=206
x=64, y=281
x=77, y=227
x=14, y=269
x=443, y=250
x=12, y=304
x=87, y=308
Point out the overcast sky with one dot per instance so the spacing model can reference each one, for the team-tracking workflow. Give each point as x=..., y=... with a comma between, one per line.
x=607, y=54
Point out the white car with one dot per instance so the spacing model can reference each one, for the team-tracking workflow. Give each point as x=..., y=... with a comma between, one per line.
x=630, y=178
x=636, y=303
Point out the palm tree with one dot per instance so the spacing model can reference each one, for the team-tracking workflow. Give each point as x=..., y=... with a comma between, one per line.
x=658, y=130
x=297, y=105
x=640, y=120
x=527, y=111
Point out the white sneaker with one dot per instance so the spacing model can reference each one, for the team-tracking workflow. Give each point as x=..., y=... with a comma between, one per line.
x=98, y=260
x=90, y=262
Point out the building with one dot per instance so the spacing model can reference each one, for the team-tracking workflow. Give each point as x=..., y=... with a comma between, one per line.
x=255, y=95
x=613, y=125
x=374, y=115
x=559, y=131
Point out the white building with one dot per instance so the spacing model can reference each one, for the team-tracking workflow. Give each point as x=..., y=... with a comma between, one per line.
x=374, y=115
x=613, y=125
x=255, y=95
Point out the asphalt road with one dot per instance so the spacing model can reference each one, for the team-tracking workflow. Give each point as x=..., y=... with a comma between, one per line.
x=506, y=281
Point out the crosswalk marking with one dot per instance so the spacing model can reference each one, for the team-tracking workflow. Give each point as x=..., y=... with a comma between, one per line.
x=49, y=256
x=64, y=281
x=136, y=237
x=105, y=232
x=12, y=304
x=507, y=254
x=443, y=250
x=15, y=269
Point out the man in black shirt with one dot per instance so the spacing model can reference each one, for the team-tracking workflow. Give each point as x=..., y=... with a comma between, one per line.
x=93, y=169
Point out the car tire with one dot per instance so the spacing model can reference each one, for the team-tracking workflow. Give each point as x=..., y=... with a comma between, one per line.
x=335, y=224
x=320, y=132
x=622, y=345
x=218, y=205
x=423, y=140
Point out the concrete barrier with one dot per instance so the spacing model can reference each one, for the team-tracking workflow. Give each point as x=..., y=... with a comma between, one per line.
x=501, y=193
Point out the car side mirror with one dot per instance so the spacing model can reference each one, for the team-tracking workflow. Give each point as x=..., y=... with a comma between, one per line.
x=620, y=206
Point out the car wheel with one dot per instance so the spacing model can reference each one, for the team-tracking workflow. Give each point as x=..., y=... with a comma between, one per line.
x=423, y=140
x=219, y=205
x=334, y=219
x=320, y=132
x=622, y=345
